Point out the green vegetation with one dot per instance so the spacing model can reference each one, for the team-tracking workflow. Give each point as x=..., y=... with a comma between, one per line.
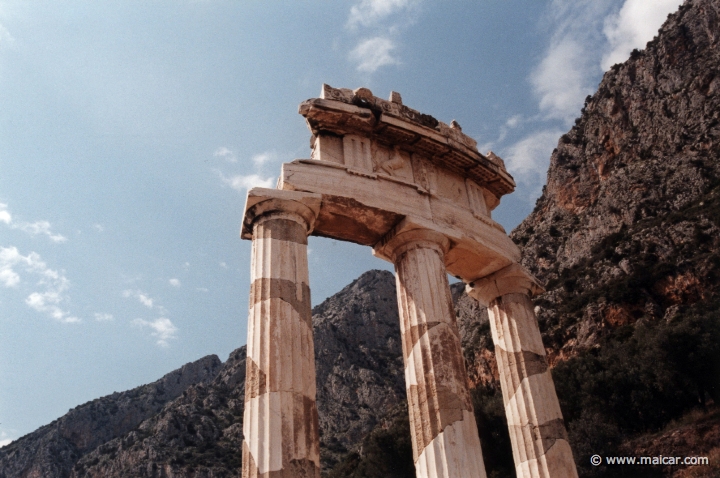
x=493, y=430
x=639, y=380
x=385, y=452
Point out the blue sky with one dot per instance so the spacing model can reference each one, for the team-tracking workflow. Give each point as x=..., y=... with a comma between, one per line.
x=130, y=132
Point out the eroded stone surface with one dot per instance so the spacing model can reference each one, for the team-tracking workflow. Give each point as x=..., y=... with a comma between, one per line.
x=280, y=420
x=537, y=431
x=442, y=424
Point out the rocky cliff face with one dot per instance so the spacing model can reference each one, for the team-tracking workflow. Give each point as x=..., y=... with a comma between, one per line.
x=358, y=354
x=627, y=226
x=626, y=237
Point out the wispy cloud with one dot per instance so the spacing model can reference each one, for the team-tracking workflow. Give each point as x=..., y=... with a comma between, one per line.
x=263, y=158
x=244, y=180
x=379, y=23
x=637, y=22
x=40, y=227
x=141, y=296
x=54, y=284
x=373, y=53
x=32, y=228
x=162, y=328
x=174, y=282
x=5, y=215
x=559, y=80
x=565, y=74
x=226, y=154
x=104, y=317
x=5, y=439
x=6, y=38
x=528, y=159
x=369, y=13
x=241, y=182
x=98, y=227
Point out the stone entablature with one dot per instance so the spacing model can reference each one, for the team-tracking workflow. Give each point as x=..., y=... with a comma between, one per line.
x=418, y=192
x=381, y=166
x=372, y=135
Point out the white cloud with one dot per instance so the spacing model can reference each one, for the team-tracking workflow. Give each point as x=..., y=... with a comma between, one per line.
x=241, y=182
x=370, y=12
x=46, y=302
x=54, y=283
x=141, y=296
x=5, y=439
x=566, y=74
x=9, y=256
x=382, y=21
x=637, y=22
x=262, y=158
x=174, y=282
x=559, y=80
x=104, y=317
x=528, y=159
x=98, y=227
x=226, y=154
x=202, y=289
x=40, y=227
x=373, y=53
x=5, y=215
x=513, y=121
x=224, y=265
x=32, y=228
x=163, y=329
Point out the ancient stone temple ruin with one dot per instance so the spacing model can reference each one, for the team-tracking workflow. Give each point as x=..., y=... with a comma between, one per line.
x=420, y=194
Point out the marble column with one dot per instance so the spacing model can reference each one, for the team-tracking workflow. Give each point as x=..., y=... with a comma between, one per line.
x=537, y=431
x=281, y=421
x=444, y=434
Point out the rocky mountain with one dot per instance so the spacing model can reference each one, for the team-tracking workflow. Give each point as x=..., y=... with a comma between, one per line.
x=53, y=449
x=631, y=196
x=189, y=423
x=627, y=237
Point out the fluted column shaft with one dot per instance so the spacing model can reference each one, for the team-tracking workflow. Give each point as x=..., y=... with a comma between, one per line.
x=280, y=421
x=444, y=433
x=537, y=431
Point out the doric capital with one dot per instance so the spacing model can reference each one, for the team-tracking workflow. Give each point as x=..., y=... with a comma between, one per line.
x=262, y=203
x=513, y=279
x=401, y=239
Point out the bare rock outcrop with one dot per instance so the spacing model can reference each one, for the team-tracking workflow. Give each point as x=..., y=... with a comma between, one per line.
x=627, y=226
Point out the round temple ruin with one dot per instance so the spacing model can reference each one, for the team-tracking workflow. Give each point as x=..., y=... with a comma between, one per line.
x=420, y=194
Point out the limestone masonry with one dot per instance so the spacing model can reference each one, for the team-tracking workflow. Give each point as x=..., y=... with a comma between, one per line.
x=420, y=194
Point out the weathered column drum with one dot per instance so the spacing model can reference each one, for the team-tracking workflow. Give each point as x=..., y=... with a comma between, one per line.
x=280, y=422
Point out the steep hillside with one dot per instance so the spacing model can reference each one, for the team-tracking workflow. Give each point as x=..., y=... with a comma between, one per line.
x=627, y=237
x=358, y=354
x=627, y=226
x=197, y=435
